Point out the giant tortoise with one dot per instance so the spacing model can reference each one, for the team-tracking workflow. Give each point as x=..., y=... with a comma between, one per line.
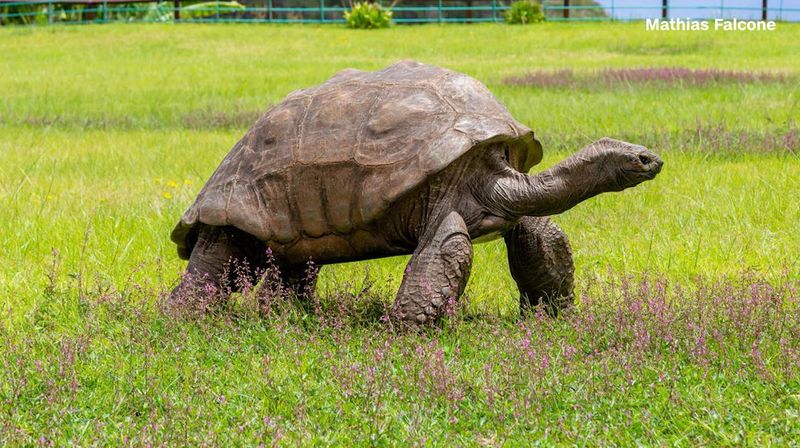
x=412, y=159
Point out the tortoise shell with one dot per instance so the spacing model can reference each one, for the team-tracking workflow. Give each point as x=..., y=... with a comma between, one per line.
x=332, y=159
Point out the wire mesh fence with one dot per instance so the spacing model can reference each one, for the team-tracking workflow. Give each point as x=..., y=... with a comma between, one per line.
x=44, y=12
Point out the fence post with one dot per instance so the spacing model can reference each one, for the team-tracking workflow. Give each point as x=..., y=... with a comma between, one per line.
x=322, y=10
x=105, y=11
x=49, y=12
x=664, y=8
x=566, y=9
x=440, y=11
x=494, y=10
x=269, y=6
x=176, y=10
x=216, y=12
x=764, y=10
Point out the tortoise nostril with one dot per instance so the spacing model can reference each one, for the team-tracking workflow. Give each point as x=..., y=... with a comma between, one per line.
x=644, y=159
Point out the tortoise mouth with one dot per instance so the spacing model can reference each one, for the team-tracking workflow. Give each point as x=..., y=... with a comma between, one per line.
x=642, y=170
x=646, y=164
x=646, y=173
x=650, y=169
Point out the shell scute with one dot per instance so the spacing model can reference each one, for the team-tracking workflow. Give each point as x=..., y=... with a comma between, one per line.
x=324, y=136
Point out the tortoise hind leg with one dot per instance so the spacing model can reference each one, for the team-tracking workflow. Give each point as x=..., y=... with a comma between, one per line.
x=224, y=260
x=540, y=260
x=302, y=280
x=438, y=272
x=282, y=282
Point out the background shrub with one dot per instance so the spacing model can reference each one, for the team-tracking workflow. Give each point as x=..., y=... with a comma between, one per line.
x=367, y=16
x=524, y=11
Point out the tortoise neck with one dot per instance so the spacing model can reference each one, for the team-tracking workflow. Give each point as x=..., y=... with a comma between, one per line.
x=554, y=190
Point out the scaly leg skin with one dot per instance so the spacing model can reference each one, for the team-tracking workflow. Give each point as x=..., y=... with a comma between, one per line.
x=438, y=272
x=540, y=259
x=223, y=260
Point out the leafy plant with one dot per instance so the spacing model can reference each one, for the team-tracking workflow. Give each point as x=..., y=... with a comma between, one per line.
x=368, y=16
x=523, y=12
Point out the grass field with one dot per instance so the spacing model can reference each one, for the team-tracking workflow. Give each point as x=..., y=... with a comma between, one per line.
x=687, y=331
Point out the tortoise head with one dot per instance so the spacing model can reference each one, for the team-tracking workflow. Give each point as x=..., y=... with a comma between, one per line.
x=620, y=165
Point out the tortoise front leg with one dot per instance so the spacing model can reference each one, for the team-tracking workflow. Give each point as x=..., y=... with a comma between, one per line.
x=223, y=260
x=437, y=272
x=540, y=259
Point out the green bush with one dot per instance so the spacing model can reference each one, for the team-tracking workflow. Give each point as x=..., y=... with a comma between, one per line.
x=524, y=11
x=367, y=16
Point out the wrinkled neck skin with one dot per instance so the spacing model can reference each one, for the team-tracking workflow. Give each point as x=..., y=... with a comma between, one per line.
x=553, y=191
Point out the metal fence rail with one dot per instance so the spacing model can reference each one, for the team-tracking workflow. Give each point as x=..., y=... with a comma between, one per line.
x=43, y=12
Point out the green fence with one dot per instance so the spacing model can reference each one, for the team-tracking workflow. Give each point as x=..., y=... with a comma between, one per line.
x=45, y=12
x=268, y=11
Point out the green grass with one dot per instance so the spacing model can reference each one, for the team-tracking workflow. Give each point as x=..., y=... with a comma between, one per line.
x=107, y=133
